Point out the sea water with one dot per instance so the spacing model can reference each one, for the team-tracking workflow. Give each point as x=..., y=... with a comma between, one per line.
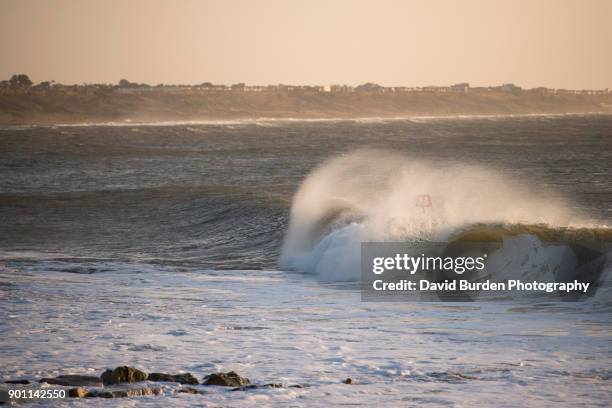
x=161, y=247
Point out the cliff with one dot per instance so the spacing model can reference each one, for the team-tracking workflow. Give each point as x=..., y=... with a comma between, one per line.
x=78, y=106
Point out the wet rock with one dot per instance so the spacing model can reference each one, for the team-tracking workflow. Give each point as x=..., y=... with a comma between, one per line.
x=186, y=378
x=24, y=382
x=348, y=381
x=255, y=386
x=78, y=392
x=123, y=374
x=230, y=379
x=139, y=392
x=73, y=380
x=100, y=394
x=124, y=393
x=188, y=390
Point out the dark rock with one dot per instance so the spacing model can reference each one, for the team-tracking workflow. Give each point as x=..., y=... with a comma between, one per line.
x=137, y=392
x=100, y=394
x=188, y=390
x=186, y=378
x=78, y=392
x=231, y=379
x=254, y=386
x=73, y=380
x=348, y=381
x=124, y=393
x=24, y=382
x=123, y=374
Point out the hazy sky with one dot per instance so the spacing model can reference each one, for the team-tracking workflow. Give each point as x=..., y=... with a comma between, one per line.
x=555, y=43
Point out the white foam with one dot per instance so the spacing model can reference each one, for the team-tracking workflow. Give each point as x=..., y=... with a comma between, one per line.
x=270, y=121
x=379, y=189
x=274, y=327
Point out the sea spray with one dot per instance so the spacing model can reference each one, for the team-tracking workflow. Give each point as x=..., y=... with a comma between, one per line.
x=369, y=195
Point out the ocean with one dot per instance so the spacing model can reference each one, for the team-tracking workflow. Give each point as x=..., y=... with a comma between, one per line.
x=218, y=246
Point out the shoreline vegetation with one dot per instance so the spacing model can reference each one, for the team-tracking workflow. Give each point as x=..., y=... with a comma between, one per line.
x=47, y=103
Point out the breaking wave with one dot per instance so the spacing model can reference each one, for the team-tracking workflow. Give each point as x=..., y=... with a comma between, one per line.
x=377, y=195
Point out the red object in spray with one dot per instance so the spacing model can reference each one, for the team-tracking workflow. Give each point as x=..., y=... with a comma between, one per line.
x=423, y=200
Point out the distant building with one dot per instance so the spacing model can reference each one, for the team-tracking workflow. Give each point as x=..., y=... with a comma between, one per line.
x=341, y=88
x=436, y=89
x=255, y=88
x=509, y=88
x=461, y=87
x=369, y=87
x=407, y=89
x=239, y=87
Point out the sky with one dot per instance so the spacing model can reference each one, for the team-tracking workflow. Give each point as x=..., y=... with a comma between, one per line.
x=553, y=43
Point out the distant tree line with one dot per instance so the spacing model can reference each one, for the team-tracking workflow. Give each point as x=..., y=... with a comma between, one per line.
x=17, y=81
x=21, y=82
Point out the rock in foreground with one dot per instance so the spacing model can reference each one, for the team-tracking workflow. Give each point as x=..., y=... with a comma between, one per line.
x=23, y=382
x=231, y=379
x=123, y=374
x=73, y=380
x=80, y=392
x=77, y=392
x=189, y=390
x=185, y=378
x=256, y=386
x=124, y=393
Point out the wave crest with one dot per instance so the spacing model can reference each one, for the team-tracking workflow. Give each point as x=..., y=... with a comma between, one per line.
x=372, y=195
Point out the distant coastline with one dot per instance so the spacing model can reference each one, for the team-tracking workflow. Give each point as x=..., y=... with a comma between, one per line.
x=46, y=103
